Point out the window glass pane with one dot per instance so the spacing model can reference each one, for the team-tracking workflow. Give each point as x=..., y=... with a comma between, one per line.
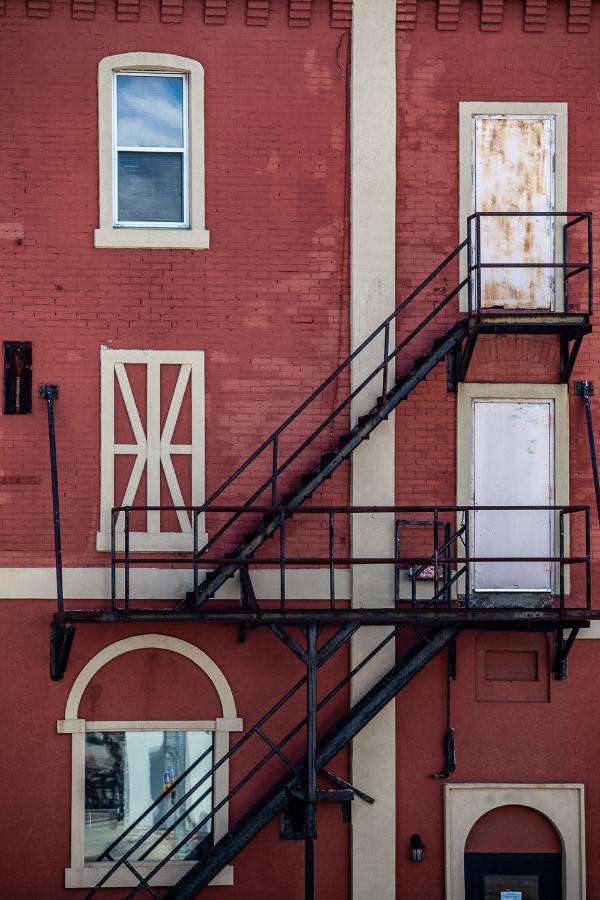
x=150, y=187
x=125, y=771
x=149, y=111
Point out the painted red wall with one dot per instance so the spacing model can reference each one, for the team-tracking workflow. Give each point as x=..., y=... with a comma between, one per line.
x=513, y=829
x=267, y=303
x=151, y=684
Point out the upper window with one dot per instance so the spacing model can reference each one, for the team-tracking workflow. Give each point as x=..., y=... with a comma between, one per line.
x=150, y=162
x=151, y=152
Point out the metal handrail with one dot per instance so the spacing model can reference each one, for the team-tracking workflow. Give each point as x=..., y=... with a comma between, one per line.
x=445, y=554
x=568, y=267
x=390, y=351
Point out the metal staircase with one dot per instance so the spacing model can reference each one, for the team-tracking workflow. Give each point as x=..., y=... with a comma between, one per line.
x=330, y=461
x=300, y=778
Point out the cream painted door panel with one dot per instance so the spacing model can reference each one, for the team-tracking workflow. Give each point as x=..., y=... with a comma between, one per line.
x=514, y=171
x=512, y=466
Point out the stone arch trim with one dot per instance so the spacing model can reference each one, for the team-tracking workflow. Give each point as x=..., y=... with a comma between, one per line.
x=151, y=642
x=562, y=804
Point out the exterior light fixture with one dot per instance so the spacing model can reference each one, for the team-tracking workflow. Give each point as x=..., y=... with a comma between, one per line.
x=417, y=848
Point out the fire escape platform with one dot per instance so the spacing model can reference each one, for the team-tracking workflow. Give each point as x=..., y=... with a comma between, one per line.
x=534, y=322
x=467, y=618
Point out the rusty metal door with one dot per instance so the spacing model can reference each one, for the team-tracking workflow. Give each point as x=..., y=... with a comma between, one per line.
x=512, y=466
x=514, y=171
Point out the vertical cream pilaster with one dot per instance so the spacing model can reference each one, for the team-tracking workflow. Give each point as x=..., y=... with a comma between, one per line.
x=373, y=218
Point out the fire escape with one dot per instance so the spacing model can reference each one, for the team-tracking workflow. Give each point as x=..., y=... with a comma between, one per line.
x=430, y=601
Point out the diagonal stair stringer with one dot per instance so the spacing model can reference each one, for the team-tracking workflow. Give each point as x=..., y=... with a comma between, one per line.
x=337, y=737
x=329, y=462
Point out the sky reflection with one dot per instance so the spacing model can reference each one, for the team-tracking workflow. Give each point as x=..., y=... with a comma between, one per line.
x=149, y=111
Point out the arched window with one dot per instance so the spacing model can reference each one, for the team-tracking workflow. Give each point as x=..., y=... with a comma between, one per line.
x=151, y=152
x=120, y=766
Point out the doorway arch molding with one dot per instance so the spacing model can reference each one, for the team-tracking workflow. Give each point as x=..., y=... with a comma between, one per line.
x=562, y=804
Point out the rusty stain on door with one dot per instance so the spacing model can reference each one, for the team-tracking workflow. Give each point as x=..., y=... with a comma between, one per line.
x=513, y=171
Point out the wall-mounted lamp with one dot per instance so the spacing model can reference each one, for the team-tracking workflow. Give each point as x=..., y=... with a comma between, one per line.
x=417, y=848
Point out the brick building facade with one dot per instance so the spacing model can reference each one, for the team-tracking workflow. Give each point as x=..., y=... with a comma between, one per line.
x=328, y=158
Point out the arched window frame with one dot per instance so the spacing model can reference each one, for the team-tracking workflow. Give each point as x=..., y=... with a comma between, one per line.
x=193, y=237
x=80, y=875
x=562, y=804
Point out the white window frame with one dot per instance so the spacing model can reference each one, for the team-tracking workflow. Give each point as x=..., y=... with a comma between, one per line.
x=80, y=875
x=152, y=448
x=183, y=151
x=191, y=234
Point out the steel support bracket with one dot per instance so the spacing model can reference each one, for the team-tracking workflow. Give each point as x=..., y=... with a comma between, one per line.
x=61, y=640
x=346, y=785
x=568, y=353
x=247, y=601
x=562, y=649
x=459, y=359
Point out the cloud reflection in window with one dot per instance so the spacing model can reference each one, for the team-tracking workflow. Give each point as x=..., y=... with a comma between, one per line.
x=149, y=111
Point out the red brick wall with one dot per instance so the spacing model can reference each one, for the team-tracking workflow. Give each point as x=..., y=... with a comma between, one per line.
x=267, y=303
x=437, y=70
x=512, y=742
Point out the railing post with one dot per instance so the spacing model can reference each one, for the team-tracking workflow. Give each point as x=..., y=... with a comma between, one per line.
x=195, y=562
x=469, y=264
x=561, y=553
x=435, y=554
x=311, y=770
x=113, y=560
x=467, y=513
x=127, y=559
x=565, y=269
x=274, y=471
x=282, y=560
x=447, y=585
x=588, y=560
x=331, y=561
x=396, y=562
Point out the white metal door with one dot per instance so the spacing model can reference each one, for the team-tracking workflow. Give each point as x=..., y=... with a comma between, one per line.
x=514, y=171
x=512, y=466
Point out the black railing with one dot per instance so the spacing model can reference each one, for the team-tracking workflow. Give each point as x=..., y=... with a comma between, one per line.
x=569, y=268
x=380, y=351
x=450, y=555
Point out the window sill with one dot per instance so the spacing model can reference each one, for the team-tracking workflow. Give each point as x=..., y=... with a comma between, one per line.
x=89, y=876
x=152, y=238
x=143, y=541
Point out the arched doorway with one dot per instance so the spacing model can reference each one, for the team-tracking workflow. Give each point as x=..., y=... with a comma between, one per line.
x=513, y=852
